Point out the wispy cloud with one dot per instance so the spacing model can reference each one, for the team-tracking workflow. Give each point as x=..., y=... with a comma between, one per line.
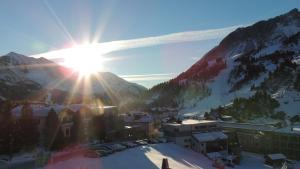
x=148, y=77
x=107, y=47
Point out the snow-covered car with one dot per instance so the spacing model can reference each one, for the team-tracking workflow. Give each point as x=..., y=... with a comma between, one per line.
x=103, y=148
x=141, y=142
x=92, y=154
x=115, y=147
x=162, y=140
x=289, y=164
x=119, y=147
x=129, y=144
x=218, y=164
x=4, y=163
x=153, y=141
x=103, y=152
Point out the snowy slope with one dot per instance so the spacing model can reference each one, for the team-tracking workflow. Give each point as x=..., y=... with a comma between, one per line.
x=243, y=60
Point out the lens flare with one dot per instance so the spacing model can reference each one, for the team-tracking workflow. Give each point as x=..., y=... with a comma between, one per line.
x=85, y=59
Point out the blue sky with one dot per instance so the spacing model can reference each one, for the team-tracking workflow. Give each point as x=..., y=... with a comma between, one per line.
x=38, y=26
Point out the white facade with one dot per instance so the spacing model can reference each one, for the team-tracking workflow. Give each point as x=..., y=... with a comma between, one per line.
x=181, y=133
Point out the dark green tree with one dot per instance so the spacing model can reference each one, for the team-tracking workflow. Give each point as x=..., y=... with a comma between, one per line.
x=77, y=132
x=97, y=127
x=54, y=138
x=28, y=127
x=10, y=137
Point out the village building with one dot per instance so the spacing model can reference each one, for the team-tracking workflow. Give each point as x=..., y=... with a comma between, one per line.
x=208, y=142
x=266, y=139
x=202, y=136
x=137, y=125
x=66, y=115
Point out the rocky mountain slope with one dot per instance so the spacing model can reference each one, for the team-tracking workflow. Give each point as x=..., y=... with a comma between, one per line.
x=263, y=56
x=39, y=79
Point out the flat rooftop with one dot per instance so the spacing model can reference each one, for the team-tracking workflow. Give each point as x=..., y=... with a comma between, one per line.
x=192, y=122
x=295, y=130
x=248, y=126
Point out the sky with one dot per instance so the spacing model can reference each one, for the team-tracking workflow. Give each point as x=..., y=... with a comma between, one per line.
x=148, y=41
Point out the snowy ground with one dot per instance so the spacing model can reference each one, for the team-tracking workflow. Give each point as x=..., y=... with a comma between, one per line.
x=150, y=157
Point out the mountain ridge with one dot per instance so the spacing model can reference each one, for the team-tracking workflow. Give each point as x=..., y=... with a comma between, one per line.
x=236, y=67
x=39, y=76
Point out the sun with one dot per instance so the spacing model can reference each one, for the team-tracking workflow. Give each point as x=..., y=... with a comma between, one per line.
x=85, y=59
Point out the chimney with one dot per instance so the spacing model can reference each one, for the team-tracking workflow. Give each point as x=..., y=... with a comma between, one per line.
x=165, y=164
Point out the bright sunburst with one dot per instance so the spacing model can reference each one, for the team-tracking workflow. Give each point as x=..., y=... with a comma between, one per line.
x=85, y=59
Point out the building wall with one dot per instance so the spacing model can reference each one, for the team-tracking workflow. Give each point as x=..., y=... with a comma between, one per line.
x=269, y=142
x=184, y=141
x=288, y=144
x=197, y=146
x=181, y=134
x=210, y=146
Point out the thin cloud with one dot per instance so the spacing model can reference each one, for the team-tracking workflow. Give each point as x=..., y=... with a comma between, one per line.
x=107, y=47
x=195, y=58
x=148, y=77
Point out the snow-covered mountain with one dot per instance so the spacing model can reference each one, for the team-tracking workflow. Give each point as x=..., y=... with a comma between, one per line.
x=263, y=56
x=36, y=78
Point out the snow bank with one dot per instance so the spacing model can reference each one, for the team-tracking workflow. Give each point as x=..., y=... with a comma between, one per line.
x=150, y=157
x=144, y=157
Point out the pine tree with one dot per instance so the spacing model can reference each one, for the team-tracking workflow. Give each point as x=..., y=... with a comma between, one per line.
x=77, y=133
x=97, y=127
x=54, y=138
x=29, y=127
x=10, y=137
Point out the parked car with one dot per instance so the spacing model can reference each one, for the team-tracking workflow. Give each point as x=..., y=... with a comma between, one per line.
x=4, y=162
x=153, y=141
x=129, y=144
x=229, y=160
x=162, y=140
x=92, y=154
x=103, y=152
x=275, y=159
x=115, y=147
x=141, y=142
x=217, y=163
x=103, y=148
x=290, y=164
x=119, y=147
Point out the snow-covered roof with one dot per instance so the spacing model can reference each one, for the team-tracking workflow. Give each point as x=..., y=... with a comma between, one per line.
x=38, y=110
x=141, y=117
x=41, y=110
x=193, y=122
x=249, y=126
x=132, y=126
x=210, y=136
x=276, y=156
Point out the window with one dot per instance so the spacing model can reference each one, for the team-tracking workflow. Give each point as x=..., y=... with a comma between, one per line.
x=187, y=140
